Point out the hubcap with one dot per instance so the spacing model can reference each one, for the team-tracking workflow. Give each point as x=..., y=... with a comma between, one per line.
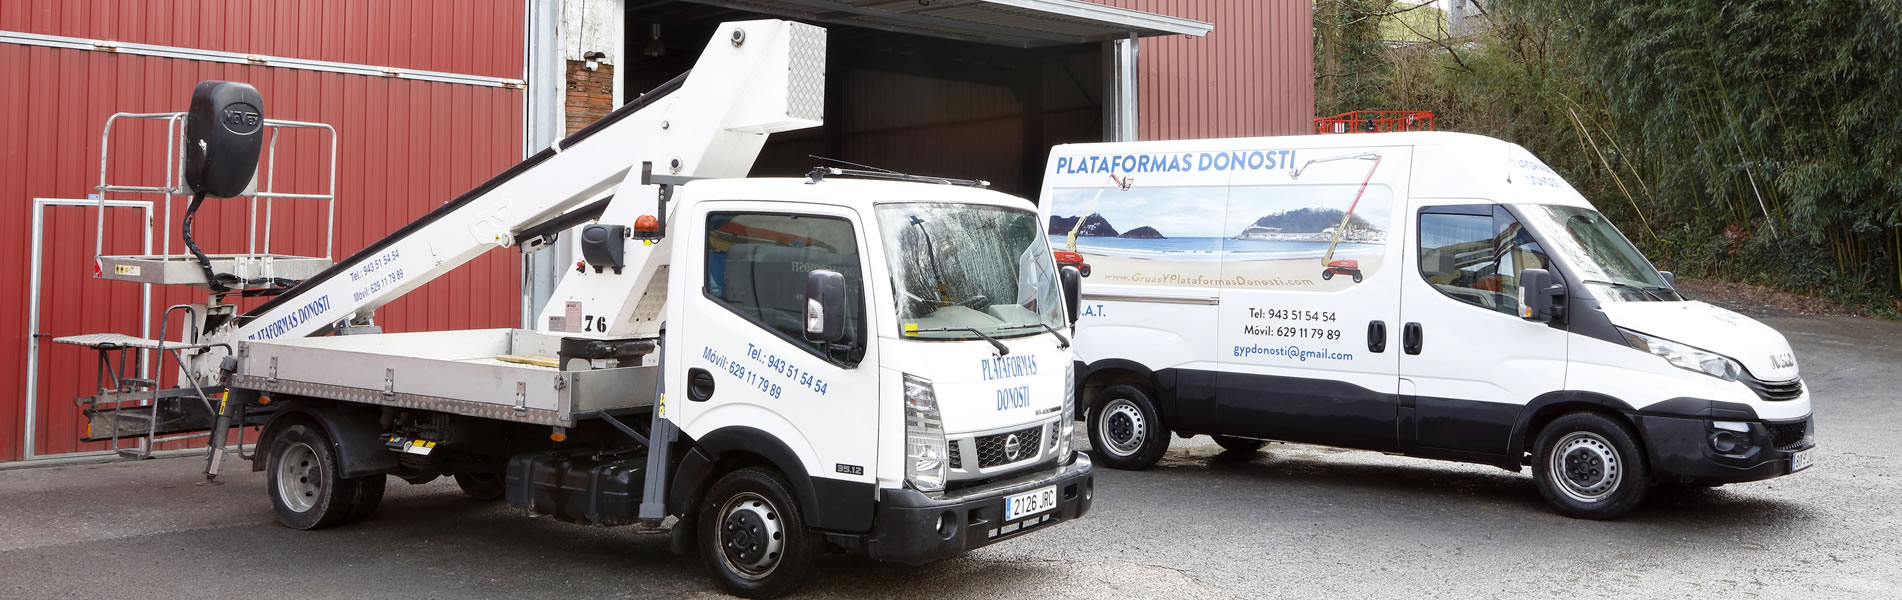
x=300, y=478
x=751, y=536
x=1122, y=428
x=1586, y=467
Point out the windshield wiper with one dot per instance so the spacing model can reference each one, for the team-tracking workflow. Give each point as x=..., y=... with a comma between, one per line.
x=1062, y=342
x=1627, y=286
x=1001, y=348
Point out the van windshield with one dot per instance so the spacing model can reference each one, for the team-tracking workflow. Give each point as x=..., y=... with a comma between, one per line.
x=963, y=272
x=1610, y=265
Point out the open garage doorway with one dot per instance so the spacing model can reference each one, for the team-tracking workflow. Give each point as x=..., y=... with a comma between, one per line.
x=963, y=89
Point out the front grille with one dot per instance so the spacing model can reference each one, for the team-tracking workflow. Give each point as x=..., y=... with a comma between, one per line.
x=957, y=456
x=1774, y=391
x=991, y=448
x=1790, y=434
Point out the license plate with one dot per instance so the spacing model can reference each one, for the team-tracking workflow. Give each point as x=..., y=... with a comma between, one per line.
x=1802, y=460
x=1030, y=503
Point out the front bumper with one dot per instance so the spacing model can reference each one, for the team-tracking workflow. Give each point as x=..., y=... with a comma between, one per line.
x=1681, y=451
x=914, y=528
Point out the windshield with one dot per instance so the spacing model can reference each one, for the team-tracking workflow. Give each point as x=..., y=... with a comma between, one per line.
x=1613, y=268
x=963, y=271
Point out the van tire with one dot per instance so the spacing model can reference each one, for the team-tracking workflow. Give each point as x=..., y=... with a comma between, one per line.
x=1125, y=430
x=304, y=483
x=1589, y=466
x=753, y=539
x=1239, y=445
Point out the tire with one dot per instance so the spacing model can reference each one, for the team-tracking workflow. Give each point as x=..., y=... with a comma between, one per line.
x=481, y=486
x=1241, y=445
x=752, y=538
x=1357, y=278
x=1327, y=275
x=303, y=481
x=369, y=496
x=1590, y=467
x=1125, y=430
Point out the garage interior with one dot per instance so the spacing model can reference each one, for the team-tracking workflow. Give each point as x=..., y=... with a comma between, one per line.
x=974, y=89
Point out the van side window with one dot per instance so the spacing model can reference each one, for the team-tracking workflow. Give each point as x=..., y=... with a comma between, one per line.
x=756, y=266
x=1476, y=258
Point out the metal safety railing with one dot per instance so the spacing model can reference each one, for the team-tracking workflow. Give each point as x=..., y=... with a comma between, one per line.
x=1375, y=121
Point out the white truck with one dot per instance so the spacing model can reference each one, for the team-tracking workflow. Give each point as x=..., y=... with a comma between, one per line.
x=1438, y=295
x=773, y=368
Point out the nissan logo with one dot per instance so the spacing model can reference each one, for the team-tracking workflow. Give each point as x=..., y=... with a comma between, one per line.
x=1012, y=446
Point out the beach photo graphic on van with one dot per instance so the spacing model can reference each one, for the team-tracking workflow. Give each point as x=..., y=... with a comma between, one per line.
x=1260, y=236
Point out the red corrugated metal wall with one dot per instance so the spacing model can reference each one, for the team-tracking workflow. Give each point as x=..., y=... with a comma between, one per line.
x=1252, y=76
x=405, y=147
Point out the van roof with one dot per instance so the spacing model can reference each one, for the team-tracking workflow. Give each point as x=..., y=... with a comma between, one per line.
x=1442, y=164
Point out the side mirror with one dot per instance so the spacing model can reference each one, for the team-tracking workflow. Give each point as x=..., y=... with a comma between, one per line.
x=224, y=132
x=825, y=306
x=1072, y=281
x=1669, y=279
x=1537, y=294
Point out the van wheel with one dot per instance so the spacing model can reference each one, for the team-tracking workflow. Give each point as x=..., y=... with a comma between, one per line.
x=480, y=486
x=1589, y=467
x=306, y=489
x=752, y=538
x=1235, y=444
x=1125, y=429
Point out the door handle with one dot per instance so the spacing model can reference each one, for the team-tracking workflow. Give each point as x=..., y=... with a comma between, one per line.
x=1411, y=338
x=699, y=384
x=1377, y=337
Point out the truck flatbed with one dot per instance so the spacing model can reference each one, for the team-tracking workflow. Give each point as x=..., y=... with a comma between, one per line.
x=456, y=372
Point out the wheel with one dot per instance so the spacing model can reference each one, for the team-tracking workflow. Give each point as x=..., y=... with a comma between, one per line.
x=1327, y=275
x=481, y=486
x=1357, y=278
x=1235, y=444
x=1083, y=271
x=369, y=496
x=1125, y=429
x=304, y=484
x=752, y=538
x=1589, y=467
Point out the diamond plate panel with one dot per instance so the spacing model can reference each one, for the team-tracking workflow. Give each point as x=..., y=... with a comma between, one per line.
x=806, y=79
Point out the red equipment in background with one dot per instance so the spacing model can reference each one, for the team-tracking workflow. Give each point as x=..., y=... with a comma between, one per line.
x=1375, y=121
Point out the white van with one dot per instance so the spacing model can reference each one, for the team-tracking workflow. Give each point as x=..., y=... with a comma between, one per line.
x=1434, y=294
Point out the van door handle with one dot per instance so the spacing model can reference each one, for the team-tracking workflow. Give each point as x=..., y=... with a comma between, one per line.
x=1377, y=337
x=699, y=385
x=1411, y=338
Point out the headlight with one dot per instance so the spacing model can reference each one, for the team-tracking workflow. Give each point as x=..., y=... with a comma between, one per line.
x=1066, y=425
x=1684, y=356
x=924, y=436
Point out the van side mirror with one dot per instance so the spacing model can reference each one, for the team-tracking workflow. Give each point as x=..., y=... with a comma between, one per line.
x=1072, y=280
x=1537, y=296
x=224, y=133
x=1669, y=279
x=825, y=306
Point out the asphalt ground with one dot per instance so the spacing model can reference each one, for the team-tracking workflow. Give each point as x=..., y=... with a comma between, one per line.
x=1288, y=522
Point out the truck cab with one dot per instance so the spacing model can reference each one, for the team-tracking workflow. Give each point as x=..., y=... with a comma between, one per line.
x=1438, y=295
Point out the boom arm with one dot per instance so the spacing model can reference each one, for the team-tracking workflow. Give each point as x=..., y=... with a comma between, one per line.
x=755, y=78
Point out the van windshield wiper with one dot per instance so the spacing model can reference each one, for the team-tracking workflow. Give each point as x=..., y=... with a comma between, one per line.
x=1001, y=348
x=1627, y=286
x=1062, y=342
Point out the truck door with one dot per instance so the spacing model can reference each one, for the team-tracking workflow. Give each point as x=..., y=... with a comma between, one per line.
x=1470, y=362
x=1310, y=300
x=741, y=361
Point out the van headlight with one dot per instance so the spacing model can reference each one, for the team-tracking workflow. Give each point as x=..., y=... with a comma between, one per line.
x=1685, y=356
x=924, y=436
